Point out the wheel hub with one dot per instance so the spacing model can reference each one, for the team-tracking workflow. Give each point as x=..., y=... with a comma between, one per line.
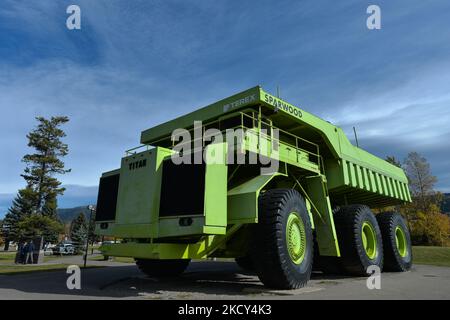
x=296, y=238
x=400, y=241
x=369, y=240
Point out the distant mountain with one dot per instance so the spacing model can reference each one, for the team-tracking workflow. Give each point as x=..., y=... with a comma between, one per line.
x=74, y=196
x=67, y=215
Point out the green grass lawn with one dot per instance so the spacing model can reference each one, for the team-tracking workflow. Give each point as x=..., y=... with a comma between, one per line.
x=7, y=257
x=7, y=266
x=437, y=256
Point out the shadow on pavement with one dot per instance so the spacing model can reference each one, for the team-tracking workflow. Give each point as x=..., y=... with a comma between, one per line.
x=210, y=278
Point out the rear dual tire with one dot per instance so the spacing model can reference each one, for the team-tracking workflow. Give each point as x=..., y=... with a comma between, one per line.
x=396, y=242
x=364, y=240
x=360, y=240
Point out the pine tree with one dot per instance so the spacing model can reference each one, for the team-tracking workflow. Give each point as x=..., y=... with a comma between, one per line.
x=21, y=208
x=39, y=197
x=2, y=241
x=36, y=225
x=79, y=231
x=43, y=165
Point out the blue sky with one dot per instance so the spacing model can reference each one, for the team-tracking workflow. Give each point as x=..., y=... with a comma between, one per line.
x=135, y=64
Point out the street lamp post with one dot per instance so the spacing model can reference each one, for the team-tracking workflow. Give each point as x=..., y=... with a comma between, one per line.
x=91, y=210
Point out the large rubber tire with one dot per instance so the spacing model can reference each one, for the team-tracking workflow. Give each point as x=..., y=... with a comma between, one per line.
x=396, y=242
x=360, y=240
x=245, y=263
x=162, y=268
x=282, y=243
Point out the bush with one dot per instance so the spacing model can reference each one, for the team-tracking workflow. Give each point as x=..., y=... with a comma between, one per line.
x=430, y=228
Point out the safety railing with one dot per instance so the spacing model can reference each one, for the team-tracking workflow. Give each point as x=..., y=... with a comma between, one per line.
x=250, y=124
x=141, y=148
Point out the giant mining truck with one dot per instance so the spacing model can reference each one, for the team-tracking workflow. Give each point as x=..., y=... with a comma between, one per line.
x=313, y=209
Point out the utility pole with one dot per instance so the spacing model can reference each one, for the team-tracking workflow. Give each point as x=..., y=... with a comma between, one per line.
x=91, y=210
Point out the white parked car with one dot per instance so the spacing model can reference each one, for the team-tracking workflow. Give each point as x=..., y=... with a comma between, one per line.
x=64, y=249
x=111, y=242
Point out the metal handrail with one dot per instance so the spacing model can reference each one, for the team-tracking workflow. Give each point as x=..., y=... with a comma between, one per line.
x=132, y=151
x=258, y=120
x=317, y=154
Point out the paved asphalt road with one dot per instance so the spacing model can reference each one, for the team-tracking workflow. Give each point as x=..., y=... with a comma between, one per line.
x=220, y=280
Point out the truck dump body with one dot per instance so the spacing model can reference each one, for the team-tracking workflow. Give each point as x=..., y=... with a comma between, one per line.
x=353, y=175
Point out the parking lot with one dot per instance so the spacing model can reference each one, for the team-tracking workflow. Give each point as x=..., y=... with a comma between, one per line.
x=218, y=280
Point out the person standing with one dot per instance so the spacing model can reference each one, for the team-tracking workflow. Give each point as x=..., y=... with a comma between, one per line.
x=30, y=252
x=20, y=256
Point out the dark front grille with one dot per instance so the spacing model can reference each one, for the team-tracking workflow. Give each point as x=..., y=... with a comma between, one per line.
x=182, y=189
x=107, y=198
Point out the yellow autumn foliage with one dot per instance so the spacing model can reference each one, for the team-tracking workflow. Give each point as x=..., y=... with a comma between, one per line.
x=430, y=227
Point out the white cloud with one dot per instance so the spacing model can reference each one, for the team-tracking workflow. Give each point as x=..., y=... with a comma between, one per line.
x=152, y=61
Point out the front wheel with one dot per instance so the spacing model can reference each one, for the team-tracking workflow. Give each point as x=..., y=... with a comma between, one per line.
x=282, y=243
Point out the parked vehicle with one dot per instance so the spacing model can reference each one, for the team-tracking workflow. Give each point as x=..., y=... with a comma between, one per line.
x=316, y=203
x=64, y=249
x=111, y=242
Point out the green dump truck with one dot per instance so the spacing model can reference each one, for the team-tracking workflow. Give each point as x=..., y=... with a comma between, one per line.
x=254, y=178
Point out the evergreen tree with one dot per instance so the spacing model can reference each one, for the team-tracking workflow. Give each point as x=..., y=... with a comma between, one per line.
x=79, y=231
x=39, y=197
x=3, y=238
x=21, y=208
x=39, y=225
x=45, y=163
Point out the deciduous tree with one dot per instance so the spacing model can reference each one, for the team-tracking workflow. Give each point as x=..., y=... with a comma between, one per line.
x=421, y=181
x=431, y=227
